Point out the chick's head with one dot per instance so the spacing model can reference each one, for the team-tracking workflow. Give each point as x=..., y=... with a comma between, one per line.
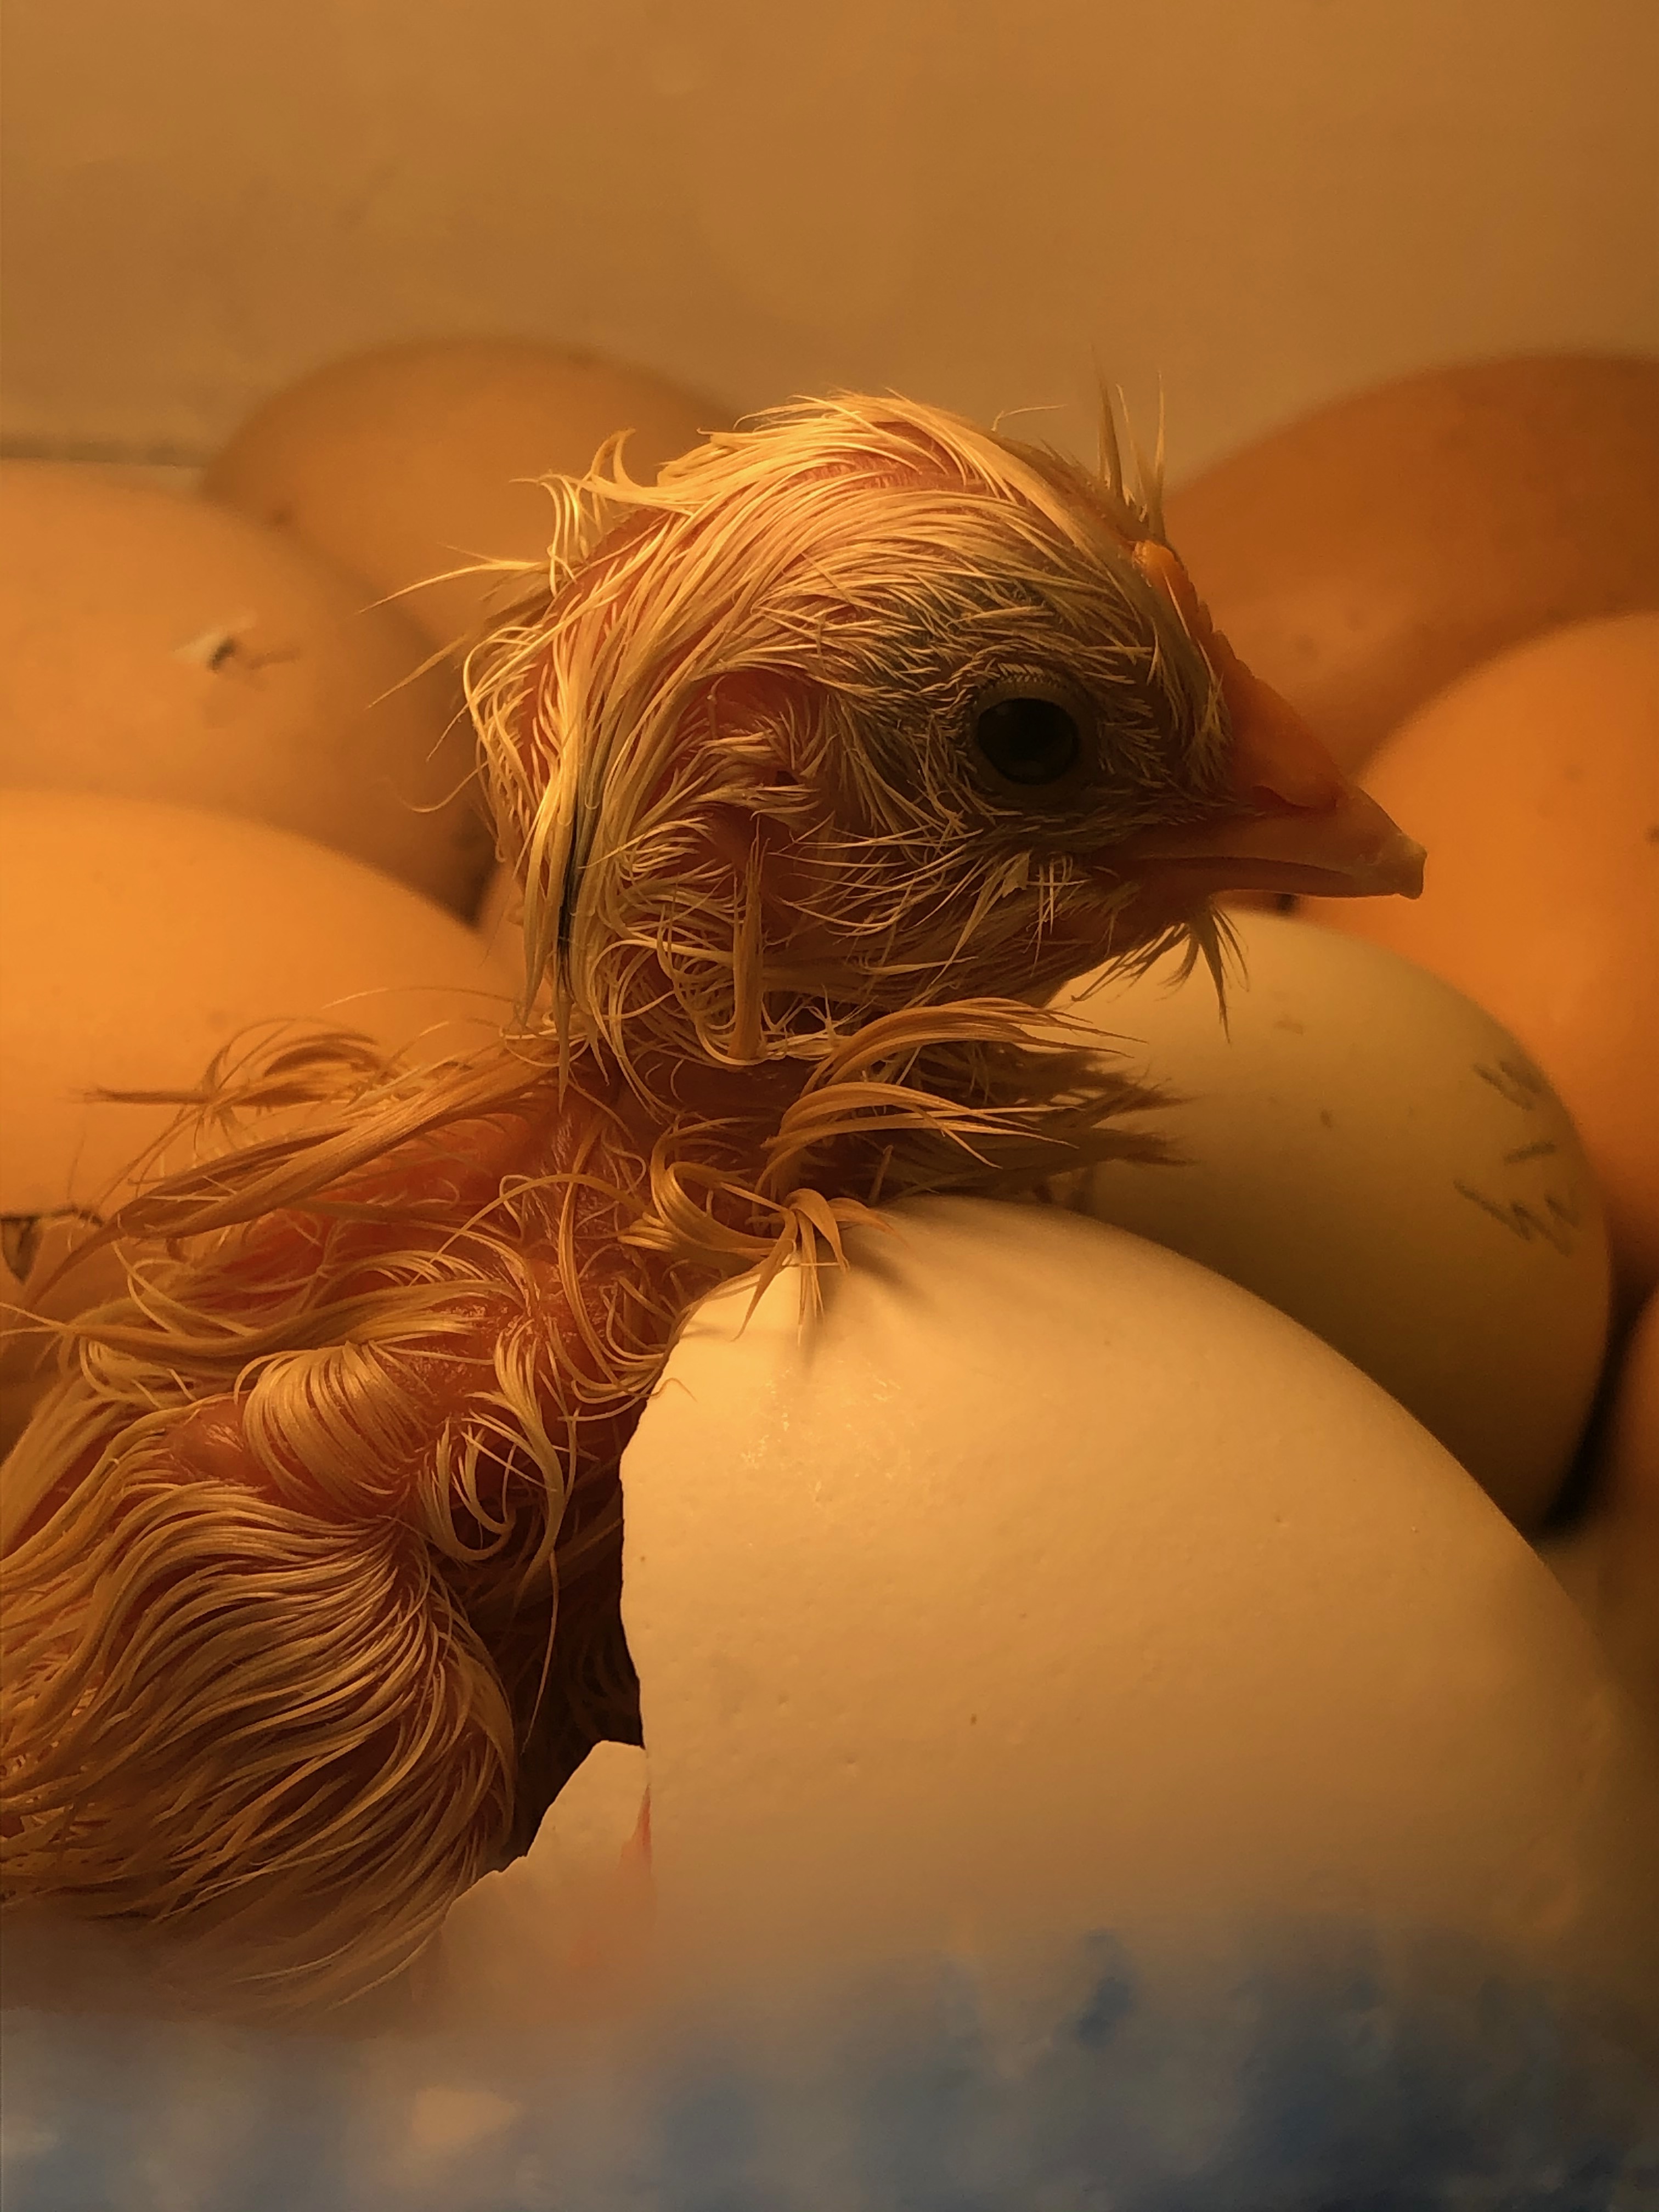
x=856, y=710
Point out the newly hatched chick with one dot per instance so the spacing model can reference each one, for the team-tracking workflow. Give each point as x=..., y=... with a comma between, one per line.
x=824, y=762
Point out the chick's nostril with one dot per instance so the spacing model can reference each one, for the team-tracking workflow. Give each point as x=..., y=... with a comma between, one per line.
x=1279, y=765
x=1028, y=741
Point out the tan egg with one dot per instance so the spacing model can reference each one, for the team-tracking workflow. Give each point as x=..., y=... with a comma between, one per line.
x=1364, y=555
x=1535, y=784
x=1372, y=1154
x=500, y=923
x=1048, y=1585
x=160, y=648
x=135, y=941
x=408, y=462
x=32, y=1248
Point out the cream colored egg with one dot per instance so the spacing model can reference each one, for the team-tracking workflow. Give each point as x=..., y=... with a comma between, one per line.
x=408, y=462
x=1050, y=1583
x=1374, y=1155
x=160, y=648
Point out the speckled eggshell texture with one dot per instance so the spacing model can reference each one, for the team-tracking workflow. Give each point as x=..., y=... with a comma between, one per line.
x=1535, y=784
x=155, y=646
x=410, y=461
x=1374, y=1155
x=1369, y=553
x=1051, y=1582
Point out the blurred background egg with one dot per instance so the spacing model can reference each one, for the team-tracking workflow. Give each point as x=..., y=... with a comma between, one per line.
x=1372, y=1154
x=162, y=648
x=500, y=924
x=1049, y=1584
x=1533, y=782
x=1366, y=555
x=137, y=940
x=407, y=462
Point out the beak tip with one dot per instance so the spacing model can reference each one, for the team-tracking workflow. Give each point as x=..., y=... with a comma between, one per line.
x=1404, y=866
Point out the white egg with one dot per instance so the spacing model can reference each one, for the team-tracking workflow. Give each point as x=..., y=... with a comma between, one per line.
x=1050, y=1583
x=1372, y=1153
x=553, y=1936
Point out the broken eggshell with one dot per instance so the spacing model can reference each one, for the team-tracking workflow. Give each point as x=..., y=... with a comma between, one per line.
x=1098, y=1747
x=1049, y=1584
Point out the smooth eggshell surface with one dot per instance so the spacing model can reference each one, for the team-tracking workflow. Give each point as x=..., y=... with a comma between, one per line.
x=1535, y=784
x=407, y=462
x=158, y=647
x=1051, y=1583
x=1369, y=553
x=136, y=940
x=1372, y=1154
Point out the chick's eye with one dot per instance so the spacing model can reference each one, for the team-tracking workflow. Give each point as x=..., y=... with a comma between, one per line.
x=1028, y=741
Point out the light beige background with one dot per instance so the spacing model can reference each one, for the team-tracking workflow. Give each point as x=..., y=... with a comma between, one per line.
x=1264, y=201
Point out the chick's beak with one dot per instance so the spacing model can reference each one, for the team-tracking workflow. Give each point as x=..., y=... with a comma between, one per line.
x=1300, y=825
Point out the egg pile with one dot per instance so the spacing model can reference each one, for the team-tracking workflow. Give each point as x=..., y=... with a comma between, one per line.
x=1129, y=1572
x=236, y=770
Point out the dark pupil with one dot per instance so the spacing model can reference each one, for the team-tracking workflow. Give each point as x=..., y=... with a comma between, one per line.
x=1028, y=740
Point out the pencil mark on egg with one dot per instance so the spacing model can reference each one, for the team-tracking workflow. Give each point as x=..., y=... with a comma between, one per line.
x=1541, y=1150
x=1514, y=1079
x=1523, y=1221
